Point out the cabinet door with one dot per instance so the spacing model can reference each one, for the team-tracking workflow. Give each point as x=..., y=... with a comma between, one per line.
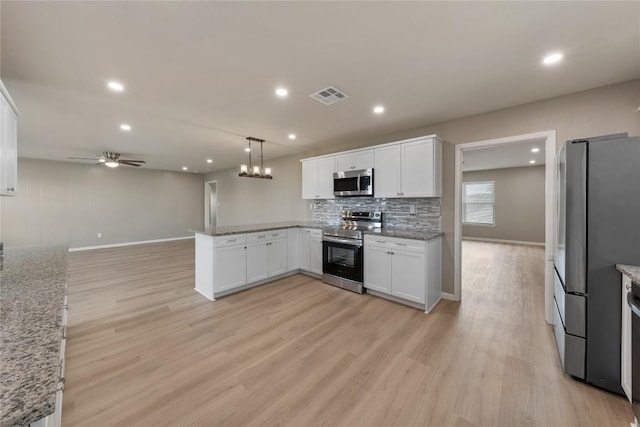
x=303, y=250
x=293, y=246
x=417, y=169
x=315, y=255
x=326, y=168
x=257, y=262
x=344, y=162
x=387, y=172
x=277, y=256
x=377, y=269
x=363, y=159
x=625, y=359
x=9, y=149
x=408, y=275
x=230, y=269
x=309, y=179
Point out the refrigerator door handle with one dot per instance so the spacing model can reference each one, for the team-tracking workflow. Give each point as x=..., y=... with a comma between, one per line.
x=632, y=305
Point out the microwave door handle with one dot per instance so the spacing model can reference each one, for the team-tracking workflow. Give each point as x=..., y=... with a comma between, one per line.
x=358, y=183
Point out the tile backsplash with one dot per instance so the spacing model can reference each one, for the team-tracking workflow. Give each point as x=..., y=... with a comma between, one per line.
x=397, y=211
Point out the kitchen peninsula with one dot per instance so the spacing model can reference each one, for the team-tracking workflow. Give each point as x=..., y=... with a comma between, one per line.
x=234, y=258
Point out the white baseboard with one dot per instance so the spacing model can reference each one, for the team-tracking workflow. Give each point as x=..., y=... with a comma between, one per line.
x=117, y=245
x=513, y=242
x=448, y=296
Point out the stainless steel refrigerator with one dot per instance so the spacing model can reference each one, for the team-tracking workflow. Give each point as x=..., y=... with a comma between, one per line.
x=598, y=227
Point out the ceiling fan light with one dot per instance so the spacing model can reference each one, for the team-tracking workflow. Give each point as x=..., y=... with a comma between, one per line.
x=112, y=164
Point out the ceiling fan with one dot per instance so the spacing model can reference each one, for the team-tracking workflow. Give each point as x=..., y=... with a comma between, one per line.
x=111, y=160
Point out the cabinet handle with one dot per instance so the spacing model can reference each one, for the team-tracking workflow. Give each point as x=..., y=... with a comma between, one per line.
x=245, y=247
x=231, y=240
x=10, y=189
x=400, y=244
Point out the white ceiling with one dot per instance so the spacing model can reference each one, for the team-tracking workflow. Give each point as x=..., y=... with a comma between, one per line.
x=504, y=156
x=200, y=76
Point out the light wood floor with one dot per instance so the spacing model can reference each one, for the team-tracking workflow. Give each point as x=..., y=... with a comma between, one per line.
x=144, y=349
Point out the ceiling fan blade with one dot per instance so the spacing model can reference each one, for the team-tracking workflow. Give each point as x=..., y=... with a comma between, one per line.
x=132, y=161
x=126, y=162
x=82, y=158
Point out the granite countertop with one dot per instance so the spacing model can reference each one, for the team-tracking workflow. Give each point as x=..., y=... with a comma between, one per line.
x=33, y=284
x=632, y=271
x=254, y=228
x=402, y=233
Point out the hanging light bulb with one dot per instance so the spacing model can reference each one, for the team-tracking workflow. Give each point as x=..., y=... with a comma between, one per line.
x=243, y=170
x=257, y=171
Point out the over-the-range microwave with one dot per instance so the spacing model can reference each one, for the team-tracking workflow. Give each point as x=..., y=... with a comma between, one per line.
x=353, y=183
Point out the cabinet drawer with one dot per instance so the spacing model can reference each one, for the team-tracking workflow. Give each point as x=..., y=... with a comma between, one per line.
x=231, y=240
x=277, y=234
x=315, y=233
x=262, y=236
x=396, y=243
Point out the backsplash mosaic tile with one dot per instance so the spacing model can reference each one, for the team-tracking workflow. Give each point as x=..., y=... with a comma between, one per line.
x=397, y=211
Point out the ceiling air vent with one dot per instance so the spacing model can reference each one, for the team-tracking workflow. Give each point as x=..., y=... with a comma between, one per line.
x=329, y=95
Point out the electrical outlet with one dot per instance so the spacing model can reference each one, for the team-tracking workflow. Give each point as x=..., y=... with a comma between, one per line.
x=412, y=209
x=99, y=235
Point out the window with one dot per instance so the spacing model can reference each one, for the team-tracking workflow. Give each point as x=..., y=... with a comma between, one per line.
x=478, y=203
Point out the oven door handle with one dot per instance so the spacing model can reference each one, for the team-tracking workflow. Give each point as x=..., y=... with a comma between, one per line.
x=632, y=305
x=349, y=242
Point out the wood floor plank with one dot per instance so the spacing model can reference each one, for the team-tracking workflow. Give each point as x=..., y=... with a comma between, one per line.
x=144, y=349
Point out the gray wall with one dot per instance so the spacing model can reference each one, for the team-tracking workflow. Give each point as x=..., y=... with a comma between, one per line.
x=519, y=204
x=70, y=203
x=599, y=111
x=250, y=200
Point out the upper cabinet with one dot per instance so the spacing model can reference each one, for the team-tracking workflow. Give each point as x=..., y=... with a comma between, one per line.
x=354, y=160
x=317, y=178
x=8, y=145
x=409, y=169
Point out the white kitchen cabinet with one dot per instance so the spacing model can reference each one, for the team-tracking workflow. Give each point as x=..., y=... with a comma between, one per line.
x=387, y=171
x=229, y=267
x=303, y=249
x=315, y=253
x=257, y=261
x=310, y=250
x=293, y=246
x=404, y=268
x=317, y=178
x=625, y=348
x=354, y=160
x=277, y=256
x=377, y=273
x=8, y=147
x=409, y=168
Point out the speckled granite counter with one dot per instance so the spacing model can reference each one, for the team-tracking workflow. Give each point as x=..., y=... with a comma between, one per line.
x=33, y=284
x=632, y=271
x=402, y=233
x=254, y=228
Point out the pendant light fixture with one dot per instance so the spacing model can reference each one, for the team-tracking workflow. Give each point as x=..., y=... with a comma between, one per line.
x=251, y=171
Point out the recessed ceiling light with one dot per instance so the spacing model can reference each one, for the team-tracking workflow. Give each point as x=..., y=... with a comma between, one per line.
x=115, y=86
x=552, y=59
x=282, y=92
x=292, y=136
x=195, y=171
x=209, y=161
x=184, y=168
x=247, y=149
x=125, y=127
x=535, y=150
x=378, y=109
x=532, y=162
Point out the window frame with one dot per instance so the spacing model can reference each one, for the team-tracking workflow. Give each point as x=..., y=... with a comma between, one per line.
x=464, y=204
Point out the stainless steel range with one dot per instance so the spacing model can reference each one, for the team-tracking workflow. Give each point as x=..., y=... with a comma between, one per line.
x=342, y=249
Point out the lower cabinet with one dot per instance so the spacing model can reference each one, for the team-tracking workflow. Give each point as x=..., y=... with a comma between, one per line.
x=293, y=248
x=625, y=359
x=230, y=267
x=310, y=250
x=277, y=256
x=404, y=268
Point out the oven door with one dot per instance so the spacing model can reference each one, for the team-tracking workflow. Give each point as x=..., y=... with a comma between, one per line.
x=342, y=258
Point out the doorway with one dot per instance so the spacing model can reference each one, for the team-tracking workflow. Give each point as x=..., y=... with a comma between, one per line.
x=210, y=204
x=547, y=140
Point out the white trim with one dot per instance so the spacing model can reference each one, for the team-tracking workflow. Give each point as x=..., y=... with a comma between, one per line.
x=512, y=242
x=550, y=209
x=117, y=245
x=448, y=296
x=202, y=293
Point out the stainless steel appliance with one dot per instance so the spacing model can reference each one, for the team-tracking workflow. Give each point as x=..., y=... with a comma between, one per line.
x=598, y=226
x=342, y=249
x=633, y=299
x=353, y=183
